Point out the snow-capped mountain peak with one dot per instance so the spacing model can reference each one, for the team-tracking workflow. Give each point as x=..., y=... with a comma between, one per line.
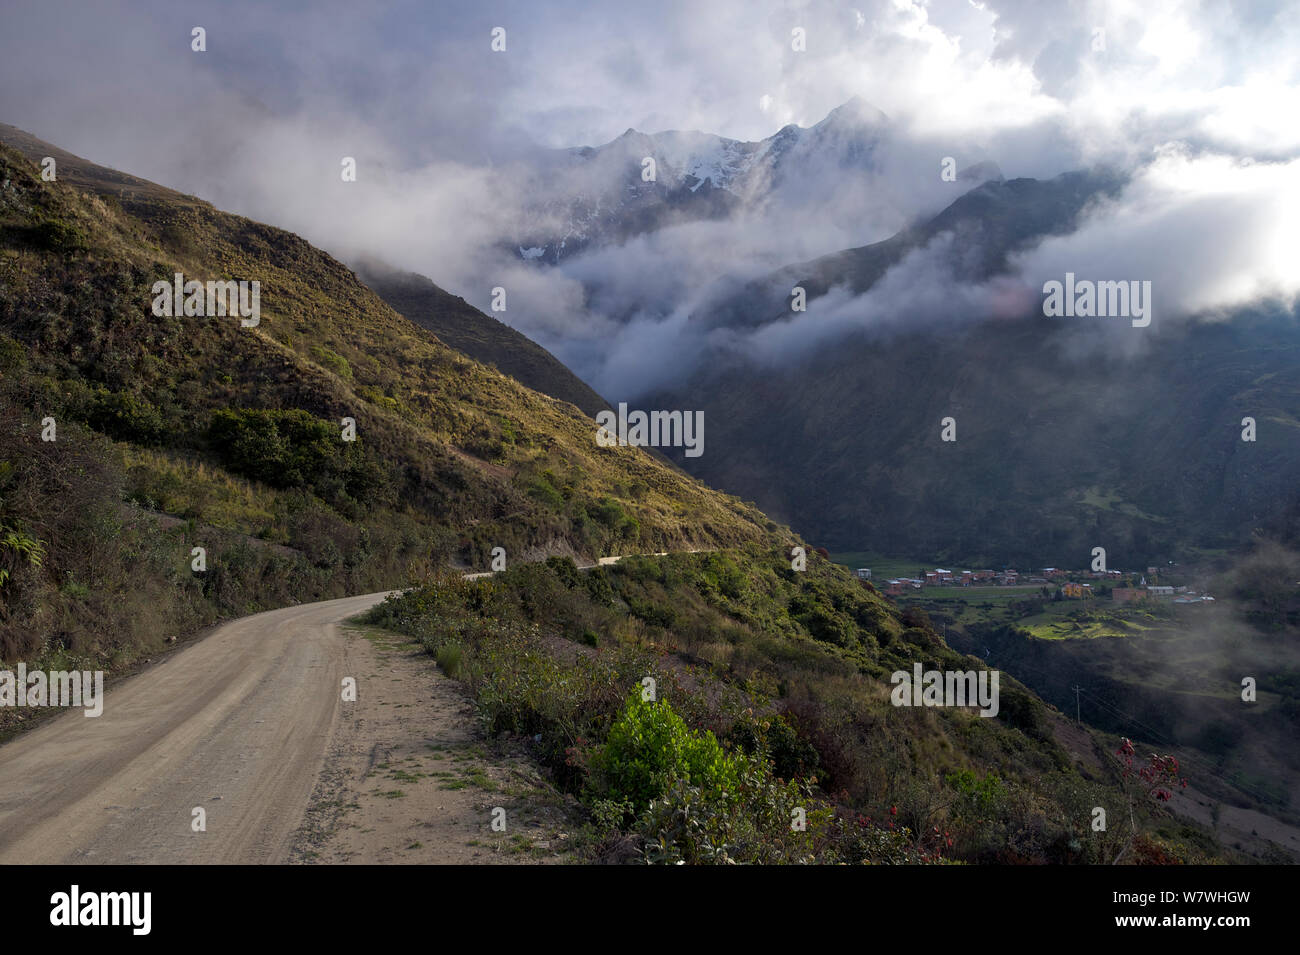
x=600, y=193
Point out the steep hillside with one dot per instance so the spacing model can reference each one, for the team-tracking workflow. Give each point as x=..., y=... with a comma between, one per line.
x=481, y=337
x=697, y=704
x=240, y=429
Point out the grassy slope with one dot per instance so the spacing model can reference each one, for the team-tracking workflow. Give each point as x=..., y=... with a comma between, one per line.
x=466, y=329
x=469, y=439
x=452, y=458
x=791, y=665
x=1168, y=673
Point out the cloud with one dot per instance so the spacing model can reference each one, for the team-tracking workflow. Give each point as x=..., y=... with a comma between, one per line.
x=1210, y=232
x=450, y=137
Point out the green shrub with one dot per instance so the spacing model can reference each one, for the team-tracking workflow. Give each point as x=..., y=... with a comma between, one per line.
x=280, y=448
x=333, y=361
x=721, y=575
x=656, y=614
x=17, y=548
x=565, y=569
x=540, y=489
x=598, y=587
x=830, y=627
x=611, y=514
x=608, y=511
x=983, y=795
x=13, y=354
x=293, y=449
x=650, y=747
x=127, y=417
x=750, y=823
x=54, y=235
x=792, y=755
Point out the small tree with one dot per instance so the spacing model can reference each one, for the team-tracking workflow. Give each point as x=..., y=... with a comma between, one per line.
x=1153, y=783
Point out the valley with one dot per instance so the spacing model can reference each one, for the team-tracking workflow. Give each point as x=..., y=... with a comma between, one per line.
x=1169, y=674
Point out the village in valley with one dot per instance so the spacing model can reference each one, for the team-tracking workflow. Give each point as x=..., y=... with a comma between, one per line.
x=1047, y=602
x=1054, y=582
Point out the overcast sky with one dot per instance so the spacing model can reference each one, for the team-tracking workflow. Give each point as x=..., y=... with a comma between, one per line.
x=1198, y=100
x=100, y=75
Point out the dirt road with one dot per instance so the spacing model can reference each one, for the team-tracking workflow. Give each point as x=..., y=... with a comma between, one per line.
x=237, y=724
x=249, y=725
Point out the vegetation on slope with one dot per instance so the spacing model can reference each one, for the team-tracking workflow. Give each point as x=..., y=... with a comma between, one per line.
x=1169, y=674
x=481, y=337
x=232, y=437
x=771, y=694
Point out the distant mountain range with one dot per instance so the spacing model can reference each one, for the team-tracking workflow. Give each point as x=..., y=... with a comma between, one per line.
x=1068, y=438
x=589, y=196
x=1064, y=440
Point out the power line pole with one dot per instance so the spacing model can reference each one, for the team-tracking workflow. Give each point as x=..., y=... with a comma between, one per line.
x=1076, y=704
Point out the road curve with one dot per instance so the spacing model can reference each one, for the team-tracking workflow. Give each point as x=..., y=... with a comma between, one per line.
x=238, y=724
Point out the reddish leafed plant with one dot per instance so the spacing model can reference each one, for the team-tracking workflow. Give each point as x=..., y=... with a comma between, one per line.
x=1159, y=776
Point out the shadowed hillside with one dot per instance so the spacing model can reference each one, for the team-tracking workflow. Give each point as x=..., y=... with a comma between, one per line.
x=481, y=337
x=1069, y=434
x=241, y=428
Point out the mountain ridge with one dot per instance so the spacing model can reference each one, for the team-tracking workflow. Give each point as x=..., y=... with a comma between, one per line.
x=597, y=194
x=863, y=409
x=477, y=335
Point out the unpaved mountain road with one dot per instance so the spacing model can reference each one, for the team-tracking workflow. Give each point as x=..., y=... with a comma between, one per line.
x=249, y=725
x=238, y=724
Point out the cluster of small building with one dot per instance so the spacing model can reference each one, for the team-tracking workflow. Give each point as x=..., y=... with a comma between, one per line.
x=1070, y=589
x=940, y=577
x=1179, y=595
